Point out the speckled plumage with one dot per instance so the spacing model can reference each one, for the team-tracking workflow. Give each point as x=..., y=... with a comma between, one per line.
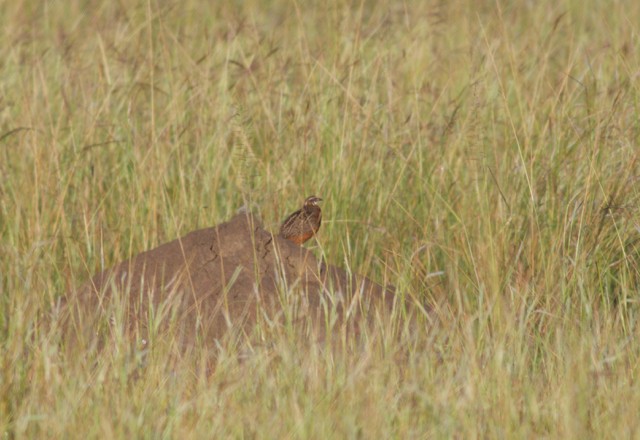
x=302, y=224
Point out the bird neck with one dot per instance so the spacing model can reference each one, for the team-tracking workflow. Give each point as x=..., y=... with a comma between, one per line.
x=311, y=208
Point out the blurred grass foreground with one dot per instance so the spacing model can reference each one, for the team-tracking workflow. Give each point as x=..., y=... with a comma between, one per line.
x=480, y=156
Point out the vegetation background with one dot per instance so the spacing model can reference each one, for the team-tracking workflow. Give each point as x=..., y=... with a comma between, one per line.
x=482, y=156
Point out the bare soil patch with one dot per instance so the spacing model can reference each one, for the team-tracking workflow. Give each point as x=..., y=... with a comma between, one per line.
x=226, y=279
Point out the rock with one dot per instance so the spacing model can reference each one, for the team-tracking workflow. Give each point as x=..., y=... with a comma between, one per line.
x=222, y=280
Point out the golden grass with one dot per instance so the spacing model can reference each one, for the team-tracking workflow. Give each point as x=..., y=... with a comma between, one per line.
x=481, y=156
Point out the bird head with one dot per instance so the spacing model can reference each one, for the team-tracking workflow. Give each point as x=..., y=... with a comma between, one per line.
x=312, y=201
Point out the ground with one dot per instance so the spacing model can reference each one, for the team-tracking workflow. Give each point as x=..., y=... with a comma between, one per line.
x=481, y=157
x=228, y=279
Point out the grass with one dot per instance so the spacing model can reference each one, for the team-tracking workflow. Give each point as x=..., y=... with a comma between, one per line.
x=480, y=156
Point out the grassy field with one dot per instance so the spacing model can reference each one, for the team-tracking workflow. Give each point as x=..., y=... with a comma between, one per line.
x=481, y=156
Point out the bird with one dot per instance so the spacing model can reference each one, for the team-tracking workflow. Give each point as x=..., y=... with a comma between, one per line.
x=303, y=224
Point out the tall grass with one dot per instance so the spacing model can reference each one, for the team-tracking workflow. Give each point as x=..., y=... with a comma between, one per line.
x=480, y=156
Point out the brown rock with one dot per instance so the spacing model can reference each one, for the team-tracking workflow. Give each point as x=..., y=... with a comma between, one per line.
x=223, y=280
